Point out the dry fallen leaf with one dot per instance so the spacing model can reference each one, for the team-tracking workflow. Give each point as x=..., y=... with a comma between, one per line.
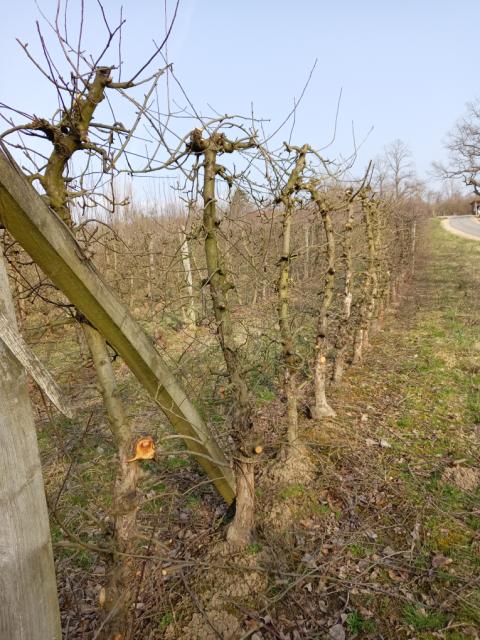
x=337, y=632
x=440, y=561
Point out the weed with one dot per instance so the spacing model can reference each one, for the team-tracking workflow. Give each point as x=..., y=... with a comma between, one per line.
x=153, y=506
x=405, y=422
x=83, y=560
x=174, y=462
x=470, y=607
x=292, y=491
x=321, y=509
x=421, y=619
x=254, y=548
x=192, y=501
x=356, y=624
x=165, y=620
x=358, y=550
x=264, y=395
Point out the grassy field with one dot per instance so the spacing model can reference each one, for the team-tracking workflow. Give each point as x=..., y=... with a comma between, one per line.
x=379, y=539
x=410, y=430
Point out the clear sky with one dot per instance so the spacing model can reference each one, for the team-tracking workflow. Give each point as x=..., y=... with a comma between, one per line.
x=406, y=68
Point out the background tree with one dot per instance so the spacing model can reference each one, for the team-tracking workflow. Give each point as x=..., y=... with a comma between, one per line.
x=463, y=148
x=395, y=172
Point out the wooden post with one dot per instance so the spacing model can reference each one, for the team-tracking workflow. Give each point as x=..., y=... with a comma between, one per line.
x=52, y=246
x=28, y=591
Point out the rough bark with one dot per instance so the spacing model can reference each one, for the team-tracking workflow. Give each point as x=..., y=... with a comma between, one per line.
x=382, y=266
x=359, y=340
x=342, y=335
x=369, y=206
x=413, y=248
x=28, y=592
x=121, y=575
x=121, y=578
x=290, y=358
x=187, y=268
x=239, y=532
x=241, y=529
x=321, y=408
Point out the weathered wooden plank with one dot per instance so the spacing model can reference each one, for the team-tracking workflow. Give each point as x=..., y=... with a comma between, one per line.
x=53, y=247
x=28, y=591
x=22, y=352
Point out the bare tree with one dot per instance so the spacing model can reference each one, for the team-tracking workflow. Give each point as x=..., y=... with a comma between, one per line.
x=73, y=130
x=341, y=340
x=242, y=424
x=290, y=357
x=463, y=146
x=322, y=409
x=395, y=172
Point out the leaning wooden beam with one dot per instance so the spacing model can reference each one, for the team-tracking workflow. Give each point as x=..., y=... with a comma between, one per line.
x=53, y=247
x=28, y=591
x=22, y=352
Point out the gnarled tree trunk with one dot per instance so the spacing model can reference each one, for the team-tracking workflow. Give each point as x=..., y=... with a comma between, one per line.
x=190, y=311
x=290, y=359
x=121, y=578
x=342, y=335
x=241, y=529
x=371, y=228
x=121, y=575
x=322, y=409
x=360, y=339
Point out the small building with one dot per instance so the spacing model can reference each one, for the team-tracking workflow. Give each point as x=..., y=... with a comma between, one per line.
x=475, y=204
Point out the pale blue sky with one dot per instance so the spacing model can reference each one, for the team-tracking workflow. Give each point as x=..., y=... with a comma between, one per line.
x=406, y=68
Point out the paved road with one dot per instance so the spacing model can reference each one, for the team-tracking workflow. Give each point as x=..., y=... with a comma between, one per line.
x=468, y=225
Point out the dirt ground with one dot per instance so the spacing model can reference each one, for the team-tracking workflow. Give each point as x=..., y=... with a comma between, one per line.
x=378, y=536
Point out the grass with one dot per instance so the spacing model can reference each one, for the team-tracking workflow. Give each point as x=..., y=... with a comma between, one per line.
x=165, y=620
x=356, y=624
x=254, y=548
x=422, y=620
x=422, y=379
x=292, y=491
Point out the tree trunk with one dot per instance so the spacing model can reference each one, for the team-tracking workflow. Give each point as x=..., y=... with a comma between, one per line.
x=290, y=359
x=28, y=592
x=413, y=248
x=342, y=335
x=361, y=338
x=306, y=259
x=241, y=529
x=121, y=579
x=322, y=409
x=151, y=273
x=187, y=268
x=371, y=226
x=358, y=345
x=288, y=349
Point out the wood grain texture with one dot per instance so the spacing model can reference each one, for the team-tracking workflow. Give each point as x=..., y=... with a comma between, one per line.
x=22, y=352
x=28, y=592
x=53, y=247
